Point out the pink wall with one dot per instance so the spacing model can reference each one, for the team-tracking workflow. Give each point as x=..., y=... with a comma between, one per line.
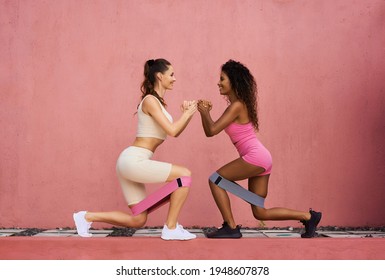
x=70, y=74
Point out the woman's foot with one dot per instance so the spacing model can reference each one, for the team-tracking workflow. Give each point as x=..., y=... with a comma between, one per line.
x=311, y=225
x=179, y=233
x=82, y=226
x=226, y=232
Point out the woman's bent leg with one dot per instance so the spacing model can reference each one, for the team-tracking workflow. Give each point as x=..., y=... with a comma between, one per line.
x=118, y=218
x=84, y=219
x=259, y=186
x=178, y=197
x=222, y=201
x=233, y=171
x=172, y=230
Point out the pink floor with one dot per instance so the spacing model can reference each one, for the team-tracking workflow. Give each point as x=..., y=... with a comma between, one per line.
x=76, y=248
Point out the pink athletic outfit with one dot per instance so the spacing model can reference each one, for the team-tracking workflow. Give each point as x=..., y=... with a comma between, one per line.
x=249, y=147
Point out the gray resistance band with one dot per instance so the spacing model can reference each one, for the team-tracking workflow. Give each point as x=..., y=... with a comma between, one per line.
x=237, y=190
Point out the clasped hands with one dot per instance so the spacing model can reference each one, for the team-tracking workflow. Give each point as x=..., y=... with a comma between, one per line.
x=201, y=105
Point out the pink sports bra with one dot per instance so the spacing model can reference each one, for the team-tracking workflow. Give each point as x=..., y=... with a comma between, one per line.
x=147, y=126
x=240, y=133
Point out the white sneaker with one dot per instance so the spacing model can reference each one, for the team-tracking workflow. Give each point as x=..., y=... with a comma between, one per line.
x=82, y=226
x=179, y=233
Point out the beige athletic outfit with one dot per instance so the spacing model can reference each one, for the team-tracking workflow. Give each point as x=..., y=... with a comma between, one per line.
x=135, y=167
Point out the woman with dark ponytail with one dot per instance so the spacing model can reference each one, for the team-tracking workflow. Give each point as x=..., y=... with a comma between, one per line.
x=135, y=166
x=150, y=68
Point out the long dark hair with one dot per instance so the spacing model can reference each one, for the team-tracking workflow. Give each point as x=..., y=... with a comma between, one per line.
x=151, y=67
x=244, y=86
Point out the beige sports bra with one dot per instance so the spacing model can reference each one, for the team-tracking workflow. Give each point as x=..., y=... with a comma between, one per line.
x=147, y=126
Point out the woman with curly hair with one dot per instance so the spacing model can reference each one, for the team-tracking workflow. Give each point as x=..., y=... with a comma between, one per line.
x=240, y=122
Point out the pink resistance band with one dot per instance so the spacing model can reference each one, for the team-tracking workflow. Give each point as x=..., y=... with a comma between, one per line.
x=160, y=196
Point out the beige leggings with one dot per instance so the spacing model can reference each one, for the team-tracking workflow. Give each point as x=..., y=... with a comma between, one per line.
x=135, y=168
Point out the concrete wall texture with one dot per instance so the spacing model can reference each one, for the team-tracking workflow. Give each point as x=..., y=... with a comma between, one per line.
x=70, y=75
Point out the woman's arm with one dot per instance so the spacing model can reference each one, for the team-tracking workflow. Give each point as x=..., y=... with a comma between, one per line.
x=212, y=128
x=152, y=107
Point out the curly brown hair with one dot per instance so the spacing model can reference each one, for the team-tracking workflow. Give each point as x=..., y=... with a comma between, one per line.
x=244, y=86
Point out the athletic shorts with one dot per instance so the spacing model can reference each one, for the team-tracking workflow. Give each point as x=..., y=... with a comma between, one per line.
x=135, y=168
x=253, y=152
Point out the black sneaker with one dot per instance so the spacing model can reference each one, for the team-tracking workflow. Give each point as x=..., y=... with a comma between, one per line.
x=311, y=225
x=226, y=232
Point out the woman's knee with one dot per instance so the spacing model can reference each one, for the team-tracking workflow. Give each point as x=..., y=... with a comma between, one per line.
x=179, y=171
x=212, y=185
x=258, y=212
x=185, y=172
x=139, y=221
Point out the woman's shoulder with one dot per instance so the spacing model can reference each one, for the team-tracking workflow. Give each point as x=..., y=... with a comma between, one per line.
x=150, y=100
x=237, y=105
x=239, y=110
x=150, y=103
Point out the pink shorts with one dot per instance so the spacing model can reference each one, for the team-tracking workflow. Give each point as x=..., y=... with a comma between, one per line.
x=253, y=152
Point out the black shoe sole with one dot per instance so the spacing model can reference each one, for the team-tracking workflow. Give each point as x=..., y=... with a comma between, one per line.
x=213, y=236
x=218, y=234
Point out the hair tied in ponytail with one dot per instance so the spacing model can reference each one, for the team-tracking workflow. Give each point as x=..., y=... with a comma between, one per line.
x=151, y=68
x=150, y=62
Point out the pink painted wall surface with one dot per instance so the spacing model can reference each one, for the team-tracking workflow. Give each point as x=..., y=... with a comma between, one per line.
x=70, y=73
